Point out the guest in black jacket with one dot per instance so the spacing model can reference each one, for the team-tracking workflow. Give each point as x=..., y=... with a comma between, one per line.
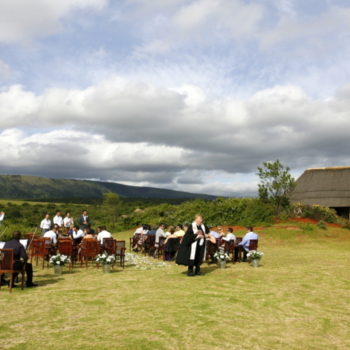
x=21, y=258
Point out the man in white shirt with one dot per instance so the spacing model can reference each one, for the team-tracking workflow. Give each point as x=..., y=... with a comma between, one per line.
x=244, y=245
x=77, y=234
x=230, y=236
x=58, y=220
x=2, y=216
x=45, y=224
x=52, y=234
x=68, y=221
x=103, y=233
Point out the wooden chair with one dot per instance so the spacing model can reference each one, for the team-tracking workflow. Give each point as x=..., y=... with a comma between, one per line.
x=230, y=248
x=6, y=266
x=110, y=246
x=38, y=249
x=134, y=239
x=65, y=247
x=159, y=251
x=148, y=245
x=120, y=252
x=253, y=244
x=90, y=248
x=211, y=250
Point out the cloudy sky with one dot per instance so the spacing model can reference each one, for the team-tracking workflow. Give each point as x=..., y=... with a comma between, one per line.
x=182, y=94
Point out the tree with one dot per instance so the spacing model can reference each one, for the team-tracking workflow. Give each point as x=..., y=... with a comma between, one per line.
x=276, y=183
x=111, y=199
x=111, y=202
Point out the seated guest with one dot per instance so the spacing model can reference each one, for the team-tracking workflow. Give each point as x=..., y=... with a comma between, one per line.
x=230, y=236
x=159, y=233
x=57, y=219
x=214, y=235
x=88, y=234
x=52, y=234
x=179, y=231
x=102, y=234
x=141, y=230
x=45, y=223
x=244, y=245
x=152, y=231
x=21, y=258
x=171, y=245
x=77, y=234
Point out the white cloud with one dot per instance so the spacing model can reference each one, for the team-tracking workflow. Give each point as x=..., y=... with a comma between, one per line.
x=20, y=21
x=138, y=132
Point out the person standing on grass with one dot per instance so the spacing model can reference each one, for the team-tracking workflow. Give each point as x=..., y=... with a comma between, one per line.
x=192, y=248
x=2, y=217
x=45, y=224
x=68, y=221
x=57, y=219
x=84, y=220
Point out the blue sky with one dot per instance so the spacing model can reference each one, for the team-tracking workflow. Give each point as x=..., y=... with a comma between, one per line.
x=182, y=94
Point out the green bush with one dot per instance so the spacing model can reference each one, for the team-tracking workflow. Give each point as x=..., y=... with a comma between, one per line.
x=322, y=225
x=315, y=212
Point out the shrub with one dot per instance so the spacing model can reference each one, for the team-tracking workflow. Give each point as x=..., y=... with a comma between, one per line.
x=322, y=225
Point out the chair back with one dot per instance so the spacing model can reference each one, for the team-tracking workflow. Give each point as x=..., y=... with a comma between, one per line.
x=38, y=247
x=253, y=244
x=65, y=247
x=110, y=245
x=6, y=260
x=149, y=243
x=90, y=248
x=239, y=240
x=161, y=242
x=120, y=247
x=230, y=247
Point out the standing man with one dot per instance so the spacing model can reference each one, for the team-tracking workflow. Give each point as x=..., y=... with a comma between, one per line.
x=58, y=220
x=192, y=249
x=68, y=221
x=45, y=224
x=2, y=217
x=84, y=220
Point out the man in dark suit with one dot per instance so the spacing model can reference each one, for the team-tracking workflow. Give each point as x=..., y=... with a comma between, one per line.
x=84, y=220
x=21, y=258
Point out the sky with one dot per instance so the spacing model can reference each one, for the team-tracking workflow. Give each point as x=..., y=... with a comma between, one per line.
x=189, y=95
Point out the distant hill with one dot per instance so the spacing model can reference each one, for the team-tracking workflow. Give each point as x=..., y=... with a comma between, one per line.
x=40, y=188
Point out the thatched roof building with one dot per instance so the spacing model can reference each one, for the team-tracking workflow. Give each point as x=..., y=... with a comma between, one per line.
x=329, y=187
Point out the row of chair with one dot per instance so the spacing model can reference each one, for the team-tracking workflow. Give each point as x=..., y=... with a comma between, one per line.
x=146, y=245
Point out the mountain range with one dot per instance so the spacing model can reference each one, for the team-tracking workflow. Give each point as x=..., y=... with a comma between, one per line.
x=41, y=188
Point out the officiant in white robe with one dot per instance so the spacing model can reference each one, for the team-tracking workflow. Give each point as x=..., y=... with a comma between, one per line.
x=192, y=249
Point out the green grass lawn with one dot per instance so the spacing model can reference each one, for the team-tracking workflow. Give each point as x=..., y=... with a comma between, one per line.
x=298, y=299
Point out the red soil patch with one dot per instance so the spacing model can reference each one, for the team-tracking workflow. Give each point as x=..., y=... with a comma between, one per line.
x=312, y=221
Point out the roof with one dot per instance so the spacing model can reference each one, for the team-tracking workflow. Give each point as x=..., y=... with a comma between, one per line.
x=329, y=187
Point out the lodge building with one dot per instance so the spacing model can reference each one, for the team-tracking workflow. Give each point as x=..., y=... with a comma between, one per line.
x=329, y=187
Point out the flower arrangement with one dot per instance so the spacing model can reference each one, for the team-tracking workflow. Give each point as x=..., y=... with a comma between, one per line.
x=220, y=255
x=105, y=259
x=59, y=260
x=254, y=254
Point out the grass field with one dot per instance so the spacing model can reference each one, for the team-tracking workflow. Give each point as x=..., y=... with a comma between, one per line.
x=298, y=299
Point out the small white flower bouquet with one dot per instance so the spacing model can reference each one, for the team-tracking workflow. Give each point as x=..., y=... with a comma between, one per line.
x=254, y=254
x=105, y=259
x=59, y=259
x=220, y=255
